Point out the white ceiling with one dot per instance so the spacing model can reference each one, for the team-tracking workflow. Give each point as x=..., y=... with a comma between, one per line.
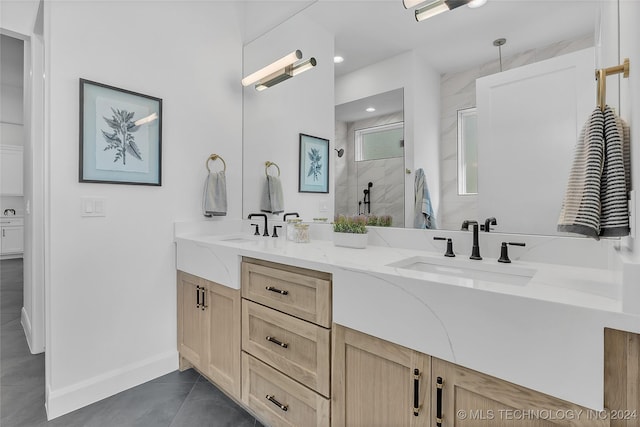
x=384, y=103
x=367, y=31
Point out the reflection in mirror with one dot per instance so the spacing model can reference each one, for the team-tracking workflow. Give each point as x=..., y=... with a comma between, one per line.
x=467, y=151
x=370, y=176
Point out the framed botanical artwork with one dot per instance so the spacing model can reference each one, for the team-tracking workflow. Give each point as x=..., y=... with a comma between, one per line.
x=120, y=136
x=314, y=165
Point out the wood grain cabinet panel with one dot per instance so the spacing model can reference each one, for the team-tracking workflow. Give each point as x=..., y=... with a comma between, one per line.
x=297, y=348
x=209, y=330
x=375, y=384
x=301, y=293
x=472, y=399
x=279, y=400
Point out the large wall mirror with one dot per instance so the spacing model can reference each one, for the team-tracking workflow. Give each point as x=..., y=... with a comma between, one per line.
x=441, y=69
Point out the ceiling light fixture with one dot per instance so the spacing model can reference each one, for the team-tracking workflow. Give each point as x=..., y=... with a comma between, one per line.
x=370, y=110
x=285, y=74
x=476, y=3
x=338, y=59
x=272, y=68
x=437, y=7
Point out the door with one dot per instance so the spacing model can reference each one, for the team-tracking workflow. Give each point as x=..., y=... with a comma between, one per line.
x=470, y=399
x=223, y=363
x=12, y=240
x=378, y=383
x=192, y=321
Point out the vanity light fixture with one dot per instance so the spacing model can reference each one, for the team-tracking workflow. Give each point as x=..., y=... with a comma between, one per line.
x=476, y=3
x=273, y=68
x=437, y=7
x=285, y=74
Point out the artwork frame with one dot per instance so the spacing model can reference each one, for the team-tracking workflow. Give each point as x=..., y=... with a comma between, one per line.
x=313, y=174
x=107, y=118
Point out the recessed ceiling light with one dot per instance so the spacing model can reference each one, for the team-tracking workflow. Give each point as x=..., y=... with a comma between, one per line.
x=476, y=3
x=338, y=59
x=370, y=110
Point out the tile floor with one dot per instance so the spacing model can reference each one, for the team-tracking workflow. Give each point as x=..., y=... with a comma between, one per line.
x=178, y=399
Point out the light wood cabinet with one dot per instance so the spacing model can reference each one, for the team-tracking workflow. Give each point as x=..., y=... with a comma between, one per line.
x=286, y=362
x=302, y=293
x=279, y=400
x=209, y=330
x=472, y=399
x=377, y=383
x=297, y=348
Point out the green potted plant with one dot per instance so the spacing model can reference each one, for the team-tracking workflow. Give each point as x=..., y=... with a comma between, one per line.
x=350, y=231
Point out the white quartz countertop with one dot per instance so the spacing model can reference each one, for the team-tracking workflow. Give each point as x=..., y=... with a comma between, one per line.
x=546, y=334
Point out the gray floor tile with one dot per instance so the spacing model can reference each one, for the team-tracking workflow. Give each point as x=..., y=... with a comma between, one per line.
x=22, y=406
x=190, y=376
x=148, y=405
x=206, y=406
x=11, y=302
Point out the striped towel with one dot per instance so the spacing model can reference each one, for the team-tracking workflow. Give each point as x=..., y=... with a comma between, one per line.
x=595, y=202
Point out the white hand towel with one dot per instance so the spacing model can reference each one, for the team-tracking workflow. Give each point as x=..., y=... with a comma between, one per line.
x=272, y=196
x=214, y=201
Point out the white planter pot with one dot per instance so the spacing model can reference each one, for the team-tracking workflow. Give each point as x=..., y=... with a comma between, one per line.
x=350, y=240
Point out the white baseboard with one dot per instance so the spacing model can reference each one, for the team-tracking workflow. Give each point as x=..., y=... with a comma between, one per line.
x=75, y=396
x=26, y=327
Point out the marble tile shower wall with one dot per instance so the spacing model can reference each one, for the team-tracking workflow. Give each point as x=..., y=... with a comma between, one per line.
x=387, y=175
x=458, y=91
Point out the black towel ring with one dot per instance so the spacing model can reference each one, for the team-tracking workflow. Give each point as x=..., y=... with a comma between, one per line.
x=267, y=164
x=216, y=157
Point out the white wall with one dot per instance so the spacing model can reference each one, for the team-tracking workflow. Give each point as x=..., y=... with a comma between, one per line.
x=111, y=297
x=421, y=85
x=18, y=16
x=274, y=118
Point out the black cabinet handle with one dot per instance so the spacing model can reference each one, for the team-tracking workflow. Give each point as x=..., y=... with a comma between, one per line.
x=276, y=290
x=273, y=400
x=275, y=341
x=439, y=385
x=197, y=296
x=416, y=392
x=204, y=294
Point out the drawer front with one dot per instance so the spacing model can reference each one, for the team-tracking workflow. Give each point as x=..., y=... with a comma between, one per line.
x=297, y=348
x=279, y=400
x=300, y=295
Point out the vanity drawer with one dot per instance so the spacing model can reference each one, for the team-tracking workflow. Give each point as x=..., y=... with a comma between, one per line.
x=302, y=293
x=297, y=348
x=279, y=400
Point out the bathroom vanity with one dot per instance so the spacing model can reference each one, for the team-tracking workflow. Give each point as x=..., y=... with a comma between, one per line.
x=328, y=336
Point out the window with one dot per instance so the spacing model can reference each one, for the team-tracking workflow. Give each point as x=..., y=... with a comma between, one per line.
x=467, y=151
x=380, y=142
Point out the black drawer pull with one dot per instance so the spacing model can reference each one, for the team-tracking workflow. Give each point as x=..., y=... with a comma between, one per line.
x=276, y=290
x=416, y=392
x=273, y=400
x=439, y=385
x=275, y=341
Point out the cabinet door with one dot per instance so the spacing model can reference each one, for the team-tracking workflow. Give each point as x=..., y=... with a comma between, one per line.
x=471, y=399
x=374, y=382
x=12, y=240
x=192, y=336
x=11, y=170
x=223, y=364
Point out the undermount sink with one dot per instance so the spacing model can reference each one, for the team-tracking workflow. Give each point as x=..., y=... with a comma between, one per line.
x=469, y=271
x=231, y=238
x=237, y=239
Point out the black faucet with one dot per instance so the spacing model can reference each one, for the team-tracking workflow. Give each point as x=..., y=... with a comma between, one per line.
x=489, y=222
x=284, y=217
x=266, y=230
x=475, y=249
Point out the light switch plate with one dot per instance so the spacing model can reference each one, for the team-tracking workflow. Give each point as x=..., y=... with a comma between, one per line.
x=92, y=206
